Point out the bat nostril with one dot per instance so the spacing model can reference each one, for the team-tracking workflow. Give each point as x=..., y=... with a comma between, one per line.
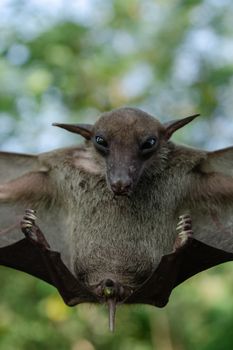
x=121, y=186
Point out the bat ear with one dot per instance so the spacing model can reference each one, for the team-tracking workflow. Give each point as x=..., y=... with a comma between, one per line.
x=174, y=125
x=85, y=130
x=220, y=161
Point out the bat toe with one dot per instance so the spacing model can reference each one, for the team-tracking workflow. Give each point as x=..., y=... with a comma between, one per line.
x=184, y=229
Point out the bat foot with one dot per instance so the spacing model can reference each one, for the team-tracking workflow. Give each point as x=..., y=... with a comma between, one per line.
x=31, y=230
x=28, y=223
x=184, y=229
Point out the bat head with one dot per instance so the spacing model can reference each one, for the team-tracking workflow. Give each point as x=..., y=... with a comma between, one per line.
x=129, y=140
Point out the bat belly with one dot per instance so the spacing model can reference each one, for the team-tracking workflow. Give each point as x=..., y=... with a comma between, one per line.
x=126, y=263
x=122, y=238
x=121, y=249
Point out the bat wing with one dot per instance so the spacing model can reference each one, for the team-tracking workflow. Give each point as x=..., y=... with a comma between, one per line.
x=28, y=182
x=211, y=210
x=211, y=205
x=25, y=183
x=28, y=256
x=175, y=268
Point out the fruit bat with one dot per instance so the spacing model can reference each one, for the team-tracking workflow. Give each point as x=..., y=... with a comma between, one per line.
x=123, y=218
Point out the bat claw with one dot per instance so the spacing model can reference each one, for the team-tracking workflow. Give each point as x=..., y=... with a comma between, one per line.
x=185, y=216
x=184, y=228
x=31, y=230
x=28, y=222
x=30, y=214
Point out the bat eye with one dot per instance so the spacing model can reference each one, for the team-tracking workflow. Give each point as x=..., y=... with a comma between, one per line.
x=101, y=141
x=149, y=144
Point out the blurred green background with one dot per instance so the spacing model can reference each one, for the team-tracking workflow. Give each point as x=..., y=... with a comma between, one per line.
x=71, y=60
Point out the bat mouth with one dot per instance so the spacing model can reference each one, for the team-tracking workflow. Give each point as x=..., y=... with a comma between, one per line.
x=119, y=195
x=112, y=293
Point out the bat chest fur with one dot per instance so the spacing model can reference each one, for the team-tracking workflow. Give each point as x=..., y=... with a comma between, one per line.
x=122, y=238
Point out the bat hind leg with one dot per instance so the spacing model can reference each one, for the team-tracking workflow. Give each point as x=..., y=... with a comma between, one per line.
x=184, y=230
x=31, y=230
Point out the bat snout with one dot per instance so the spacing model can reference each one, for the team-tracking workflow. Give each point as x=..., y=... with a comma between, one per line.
x=122, y=186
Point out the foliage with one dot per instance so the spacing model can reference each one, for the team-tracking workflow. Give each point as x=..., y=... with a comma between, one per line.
x=70, y=62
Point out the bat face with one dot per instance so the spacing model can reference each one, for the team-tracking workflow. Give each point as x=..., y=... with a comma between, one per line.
x=128, y=140
x=128, y=143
